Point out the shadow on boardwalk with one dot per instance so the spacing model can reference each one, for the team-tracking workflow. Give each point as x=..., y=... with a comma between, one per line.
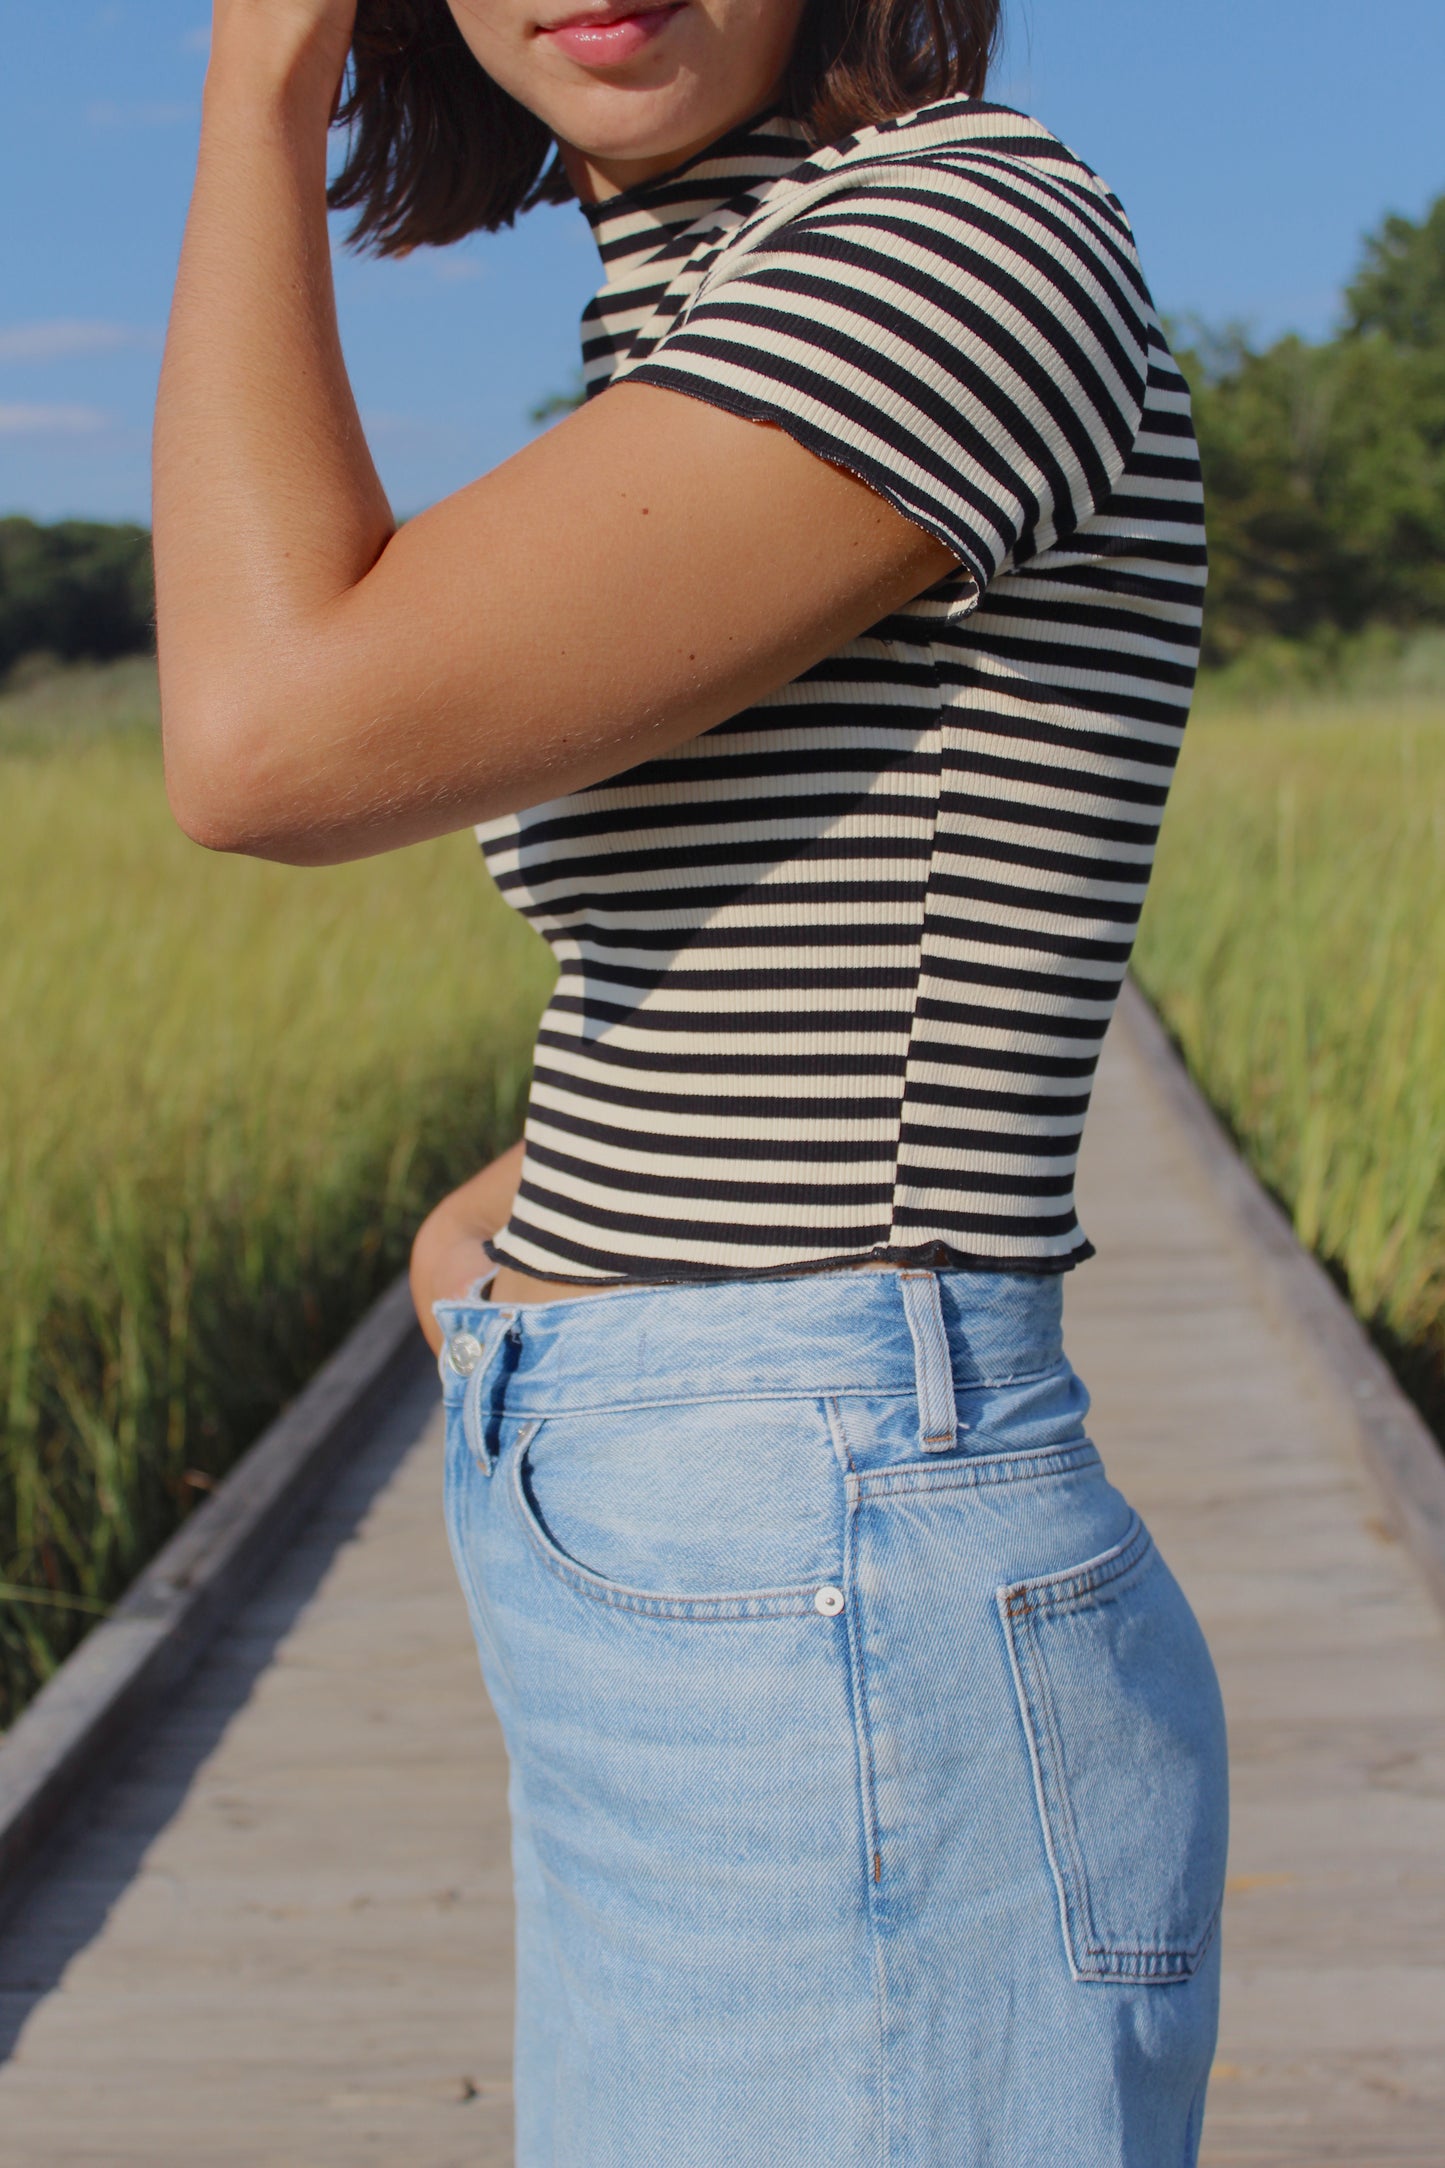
x=102, y=1850
x=281, y=1939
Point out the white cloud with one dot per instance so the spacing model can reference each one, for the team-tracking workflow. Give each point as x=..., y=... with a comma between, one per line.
x=457, y=270
x=66, y=337
x=51, y=421
x=197, y=40
x=106, y=113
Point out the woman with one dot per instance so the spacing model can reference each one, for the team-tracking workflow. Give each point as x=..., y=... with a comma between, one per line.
x=815, y=689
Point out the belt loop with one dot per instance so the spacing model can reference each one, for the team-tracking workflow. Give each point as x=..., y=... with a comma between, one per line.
x=932, y=1362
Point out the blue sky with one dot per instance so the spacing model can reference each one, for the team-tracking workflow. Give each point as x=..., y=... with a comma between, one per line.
x=1253, y=142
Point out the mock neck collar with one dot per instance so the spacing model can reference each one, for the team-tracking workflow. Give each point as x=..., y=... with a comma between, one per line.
x=640, y=221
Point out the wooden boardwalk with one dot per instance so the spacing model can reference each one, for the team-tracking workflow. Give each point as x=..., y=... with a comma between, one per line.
x=280, y=1939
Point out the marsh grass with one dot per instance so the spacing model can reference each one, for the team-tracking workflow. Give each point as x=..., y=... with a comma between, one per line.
x=49, y=708
x=1294, y=941
x=228, y=1093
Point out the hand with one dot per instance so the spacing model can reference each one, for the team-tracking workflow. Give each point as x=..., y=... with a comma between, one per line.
x=447, y=1254
x=444, y=1263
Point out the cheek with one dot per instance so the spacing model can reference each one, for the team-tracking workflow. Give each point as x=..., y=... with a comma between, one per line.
x=777, y=23
x=757, y=36
x=497, y=36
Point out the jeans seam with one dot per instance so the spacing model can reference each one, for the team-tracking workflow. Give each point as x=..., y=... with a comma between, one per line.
x=1057, y=1592
x=550, y=1410
x=838, y=1430
x=1179, y=1959
x=868, y=1804
x=1090, y=1956
x=556, y=1412
x=476, y=1383
x=1018, y=1603
x=1042, y=1717
x=1016, y=1466
x=1011, y=1377
x=461, y=1471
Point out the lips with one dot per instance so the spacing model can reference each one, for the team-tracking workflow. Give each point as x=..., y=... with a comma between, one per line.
x=602, y=37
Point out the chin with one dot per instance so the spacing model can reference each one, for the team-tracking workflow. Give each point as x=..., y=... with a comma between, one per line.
x=643, y=124
x=697, y=74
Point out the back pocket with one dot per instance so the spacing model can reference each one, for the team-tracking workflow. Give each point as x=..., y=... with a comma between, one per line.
x=1125, y=1728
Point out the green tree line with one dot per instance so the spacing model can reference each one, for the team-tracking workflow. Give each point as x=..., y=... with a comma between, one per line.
x=1324, y=461
x=1324, y=476
x=79, y=590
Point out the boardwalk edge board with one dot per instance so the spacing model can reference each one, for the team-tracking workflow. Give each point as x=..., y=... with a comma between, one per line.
x=1396, y=1444
x=99, y=1697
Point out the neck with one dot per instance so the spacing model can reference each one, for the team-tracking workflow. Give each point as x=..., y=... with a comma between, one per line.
x=596, y=177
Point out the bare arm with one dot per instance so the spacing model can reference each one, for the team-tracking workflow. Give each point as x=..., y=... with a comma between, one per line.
x=332, y=686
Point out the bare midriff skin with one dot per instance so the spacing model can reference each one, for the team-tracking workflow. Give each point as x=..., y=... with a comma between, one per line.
x=448, y=1254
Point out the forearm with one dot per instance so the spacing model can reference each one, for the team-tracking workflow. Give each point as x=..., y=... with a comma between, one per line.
x=268, y=507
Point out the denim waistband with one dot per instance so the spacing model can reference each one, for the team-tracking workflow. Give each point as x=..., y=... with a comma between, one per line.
x=886, y=1331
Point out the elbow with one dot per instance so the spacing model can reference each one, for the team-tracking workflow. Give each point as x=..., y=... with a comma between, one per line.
x=207, y=796
x=219, y=773
x=204, y=815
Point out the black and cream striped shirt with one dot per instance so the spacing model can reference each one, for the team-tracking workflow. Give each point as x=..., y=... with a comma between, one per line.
x=834, y=976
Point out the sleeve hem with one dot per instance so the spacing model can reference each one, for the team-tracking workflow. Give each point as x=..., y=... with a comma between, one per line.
x=752, y=408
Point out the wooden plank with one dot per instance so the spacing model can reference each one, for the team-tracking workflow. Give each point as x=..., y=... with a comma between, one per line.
x=283, y=1933
x=1398, y=1447
x=102, y=1696
x=1220, y=1414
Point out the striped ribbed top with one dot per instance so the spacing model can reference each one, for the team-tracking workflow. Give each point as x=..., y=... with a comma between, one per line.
x=834, y=976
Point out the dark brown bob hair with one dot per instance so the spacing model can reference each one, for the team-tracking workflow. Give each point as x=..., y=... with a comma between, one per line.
x=435, y=149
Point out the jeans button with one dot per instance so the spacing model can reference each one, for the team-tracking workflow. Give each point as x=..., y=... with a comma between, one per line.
x=829, y=1601
x=464, y=1352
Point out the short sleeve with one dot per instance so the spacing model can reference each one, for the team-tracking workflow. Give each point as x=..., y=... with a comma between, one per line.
x=968, y=334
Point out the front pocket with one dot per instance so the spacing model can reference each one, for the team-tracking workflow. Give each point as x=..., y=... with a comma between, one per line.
x=1125, y=1729
x=687, y=1512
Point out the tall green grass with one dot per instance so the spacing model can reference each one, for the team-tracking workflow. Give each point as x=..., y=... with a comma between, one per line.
x=1294, y=941
x=228, y=1092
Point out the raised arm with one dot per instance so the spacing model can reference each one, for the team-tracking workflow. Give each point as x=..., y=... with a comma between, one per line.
x=334, y=686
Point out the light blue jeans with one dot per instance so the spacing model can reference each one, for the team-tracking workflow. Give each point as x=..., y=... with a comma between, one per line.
x=867, y=1763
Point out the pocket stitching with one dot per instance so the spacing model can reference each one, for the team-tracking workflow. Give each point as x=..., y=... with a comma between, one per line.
x=1066, y=1590
x=793, y=1602
x=972, y=1472
x=459, y=1503
x=1089, y=1958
